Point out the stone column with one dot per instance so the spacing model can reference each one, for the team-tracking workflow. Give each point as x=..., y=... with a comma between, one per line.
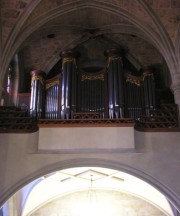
x=6, y=95
x=176, y=91
x=2, y=96
x=15, y=79
x=37, y=94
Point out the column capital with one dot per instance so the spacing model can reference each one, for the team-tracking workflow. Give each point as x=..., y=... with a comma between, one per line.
x=38, y=75
x=175, y=87
x=69, y=54
x=114, y=55
x=35, y=73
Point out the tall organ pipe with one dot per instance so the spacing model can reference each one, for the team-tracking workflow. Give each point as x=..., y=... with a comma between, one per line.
x=52, y=102
x=37, y=94
x=69, y=82
x=148, y=91
x=115, y=84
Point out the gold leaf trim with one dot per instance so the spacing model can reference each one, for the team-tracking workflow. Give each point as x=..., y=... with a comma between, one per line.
x=68, y=59
x=87, y=76
x=134, y=81
x=51, y=84
x=146, y=74
x=34, y=78
x=137, y=80
x=112, y=58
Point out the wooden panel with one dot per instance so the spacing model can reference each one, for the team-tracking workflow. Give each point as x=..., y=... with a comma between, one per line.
x=24, y=99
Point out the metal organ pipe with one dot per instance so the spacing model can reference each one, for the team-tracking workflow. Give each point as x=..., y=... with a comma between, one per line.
x=92, y=87
x=121, y=88
x=52, y=98
x=146, y=94
x=149, y=91
x=130, y=100
x=66, y=71
x=115, y=84
x=56, y=101
x=53, y=102
x=110, y=91
x=134, y=96
x=37, y=94
x=73, y=90
x=32, y=97
x=47, y=105
x=69, y=82
x=61, y=96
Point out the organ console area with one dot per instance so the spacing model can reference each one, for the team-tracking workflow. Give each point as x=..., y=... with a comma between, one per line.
x=112, y=92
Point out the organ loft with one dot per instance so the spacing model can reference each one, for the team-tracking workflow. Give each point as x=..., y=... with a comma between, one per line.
x=89, y=102
x=97, y=83
x=113, y=91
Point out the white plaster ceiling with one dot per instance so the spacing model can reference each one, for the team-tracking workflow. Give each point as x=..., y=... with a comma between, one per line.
x=68, y=181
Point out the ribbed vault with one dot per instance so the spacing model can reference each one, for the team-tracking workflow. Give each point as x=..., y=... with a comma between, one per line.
x=106, y=18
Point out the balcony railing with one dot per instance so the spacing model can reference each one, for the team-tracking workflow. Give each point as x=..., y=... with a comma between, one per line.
x=17, y=120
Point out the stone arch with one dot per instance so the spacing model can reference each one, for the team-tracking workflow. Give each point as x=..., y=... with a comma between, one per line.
x=95, y=162
x=152, y=36
x=131, y=30
x=177, y=44
x=12, y=37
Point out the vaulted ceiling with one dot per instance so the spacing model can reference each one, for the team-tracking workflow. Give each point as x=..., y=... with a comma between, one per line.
x=72, y=191
x=147, y=29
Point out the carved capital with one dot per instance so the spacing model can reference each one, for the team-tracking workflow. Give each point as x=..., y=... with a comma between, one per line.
x=37, y=75
x=113, y=54
x=69, y=56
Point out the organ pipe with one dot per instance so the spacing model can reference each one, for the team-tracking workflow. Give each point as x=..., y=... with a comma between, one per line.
x=37, y=94
x=149, y=91
x=112, y=93
x=69, y=82
x=92, y=88
x=115, y=84
x=133, y=95
x=52, y=98
x=140, y=92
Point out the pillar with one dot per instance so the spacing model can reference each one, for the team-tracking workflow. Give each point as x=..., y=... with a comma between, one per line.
x=176, y=92
x=15, y=79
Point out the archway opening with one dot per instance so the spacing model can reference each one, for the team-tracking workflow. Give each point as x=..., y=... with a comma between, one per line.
x=87, y=191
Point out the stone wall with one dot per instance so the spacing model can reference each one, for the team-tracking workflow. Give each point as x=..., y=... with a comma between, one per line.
x=155, y=159
x=104, y=203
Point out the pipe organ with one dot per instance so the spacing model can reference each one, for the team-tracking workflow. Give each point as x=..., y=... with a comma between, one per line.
x=112, y=92
x=92, y=92
x=134, y=96
x=148, y=86
x=69, y=85
x=53, y=98
x=140, y=94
